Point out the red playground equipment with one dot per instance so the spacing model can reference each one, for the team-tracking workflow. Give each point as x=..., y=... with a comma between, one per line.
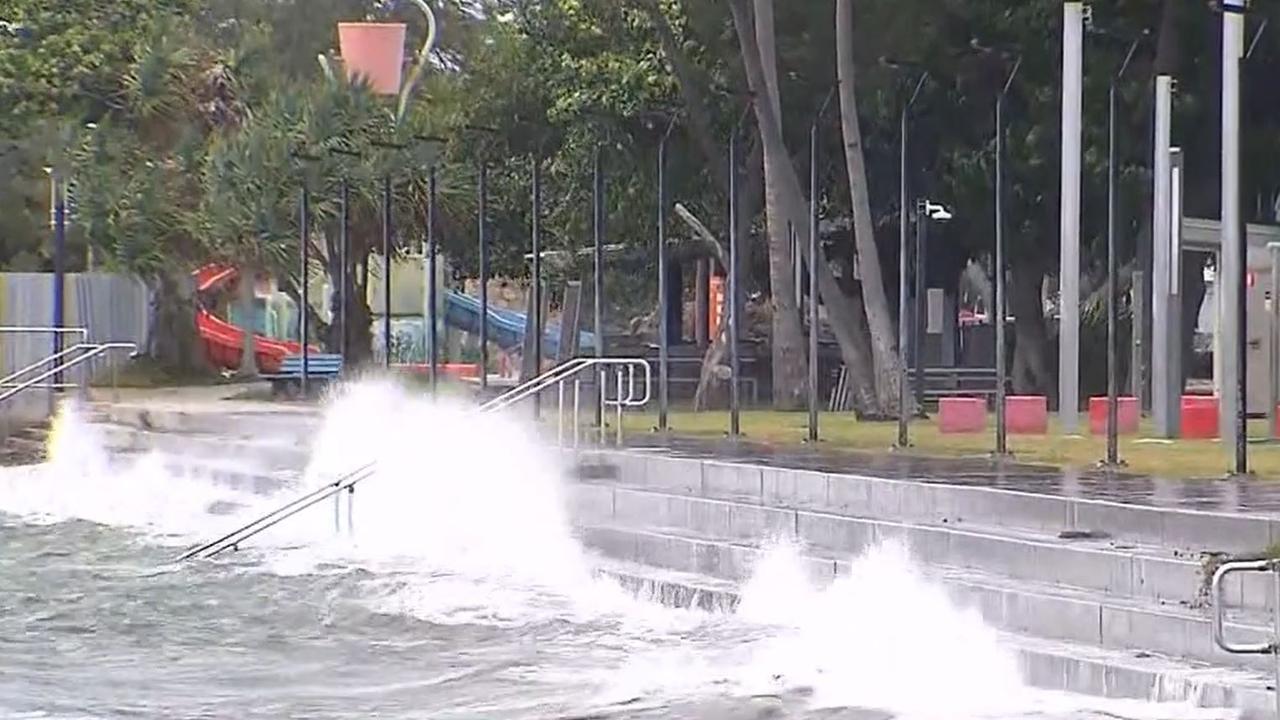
x=224, y=342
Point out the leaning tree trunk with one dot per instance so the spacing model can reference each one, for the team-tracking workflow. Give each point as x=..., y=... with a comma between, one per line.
x=791, y=204
x=884, y=350
x=789, y=366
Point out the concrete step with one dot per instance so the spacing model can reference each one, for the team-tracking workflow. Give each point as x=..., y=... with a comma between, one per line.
x=256, y=454
x=1099, y=564
x=1042, y=610
x=1054, y=511
x=1061, y=666
x=237, y=420
x=227, y=472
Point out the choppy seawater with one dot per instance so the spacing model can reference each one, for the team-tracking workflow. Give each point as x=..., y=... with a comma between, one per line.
x=461, y=594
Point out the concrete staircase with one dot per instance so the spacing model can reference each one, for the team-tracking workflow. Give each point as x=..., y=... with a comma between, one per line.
x=1096, y=597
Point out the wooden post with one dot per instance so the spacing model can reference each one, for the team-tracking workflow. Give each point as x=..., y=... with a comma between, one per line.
x=570, y=319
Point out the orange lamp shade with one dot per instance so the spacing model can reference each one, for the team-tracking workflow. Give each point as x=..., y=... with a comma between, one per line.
x=373, y=52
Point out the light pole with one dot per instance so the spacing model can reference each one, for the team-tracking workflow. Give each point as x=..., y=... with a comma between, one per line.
x=536, y=241
x=904, y=204
x=386, y=270
x=926, y=211
x=597, y=237
x=304, y=223
x=344, y=250
x=734, y=291
x=1113, y=354
x=432, y=253
x=998, y=312
x=664, y=359
x=814, y=255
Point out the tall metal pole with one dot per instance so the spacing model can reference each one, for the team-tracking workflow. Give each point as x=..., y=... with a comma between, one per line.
x=537, y=276
x=59, y=264
x=1069, y=252
x=344, y=254
x=735, y=423
x=304, y=224
x=813, y=277
x=1165, y=343
x=482, y=225
x=432, y=289
x=386, y=270
x=904, y=413
x=997, y=313
x=1242, y=306
x=1113, y=356
x=597, y=237
x=1233, y=259
x=664, y=358
x=917, y=342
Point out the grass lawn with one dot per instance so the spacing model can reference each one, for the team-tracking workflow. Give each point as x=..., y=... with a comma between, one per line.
x=1179, y=458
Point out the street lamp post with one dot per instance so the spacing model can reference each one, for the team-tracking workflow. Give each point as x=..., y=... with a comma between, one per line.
x=814, y=253
x=1113, y=354
x=904, y=205
x=597, y=237
x=432, y=252
x=664, y=351
x=304, y=223
x=386, y=270
x=734, y=291
x=536, y=241
x=998, y=312
x=482, y=232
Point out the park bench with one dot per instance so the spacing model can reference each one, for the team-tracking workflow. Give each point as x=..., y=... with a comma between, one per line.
x=939, y=382
x=321, y=370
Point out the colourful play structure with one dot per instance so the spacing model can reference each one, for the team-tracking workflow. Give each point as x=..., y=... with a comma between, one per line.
x=223, y=341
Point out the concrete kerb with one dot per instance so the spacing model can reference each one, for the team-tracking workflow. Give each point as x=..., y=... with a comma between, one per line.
x=935, y=502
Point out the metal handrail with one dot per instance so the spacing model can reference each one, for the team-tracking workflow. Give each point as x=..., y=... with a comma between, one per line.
x=8, y=380
x=91, y=351
x=625, y=384
x=233, y=539
x=1271, y=647
x=570, y=370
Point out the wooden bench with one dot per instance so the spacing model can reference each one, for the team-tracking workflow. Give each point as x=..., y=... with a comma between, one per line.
x=321, y=370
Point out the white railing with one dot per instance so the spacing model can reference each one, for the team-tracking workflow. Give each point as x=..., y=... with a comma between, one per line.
x=632, y=380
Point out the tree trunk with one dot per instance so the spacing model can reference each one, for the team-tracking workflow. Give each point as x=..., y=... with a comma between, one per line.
x=172, y=341
x=884, y=350
x=791, y=204
x=1031, y=342
x=244, y=303
x=789, y=374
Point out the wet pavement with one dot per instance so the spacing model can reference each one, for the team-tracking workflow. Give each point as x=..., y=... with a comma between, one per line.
x=1233, y=495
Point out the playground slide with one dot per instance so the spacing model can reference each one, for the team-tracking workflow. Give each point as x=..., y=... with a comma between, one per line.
x=224, y=342
x=506, y=327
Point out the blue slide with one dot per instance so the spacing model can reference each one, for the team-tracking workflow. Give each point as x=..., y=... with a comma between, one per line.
x=506, y=327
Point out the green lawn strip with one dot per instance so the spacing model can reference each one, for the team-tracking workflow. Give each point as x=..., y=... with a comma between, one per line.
x=1141, y=454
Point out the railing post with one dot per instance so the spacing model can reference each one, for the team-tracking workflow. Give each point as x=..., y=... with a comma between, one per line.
x=577, y=397
x=351, y=512
x=560, y=414
x=618, y=385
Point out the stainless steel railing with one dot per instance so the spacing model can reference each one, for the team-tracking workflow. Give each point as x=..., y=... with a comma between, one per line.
x=80, y=353
x=231, y=541
x=1269, y=647
x=632, y=381
x=630, y=389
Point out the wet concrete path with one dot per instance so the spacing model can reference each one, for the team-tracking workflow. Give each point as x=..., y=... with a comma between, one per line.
x=1240, y=495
